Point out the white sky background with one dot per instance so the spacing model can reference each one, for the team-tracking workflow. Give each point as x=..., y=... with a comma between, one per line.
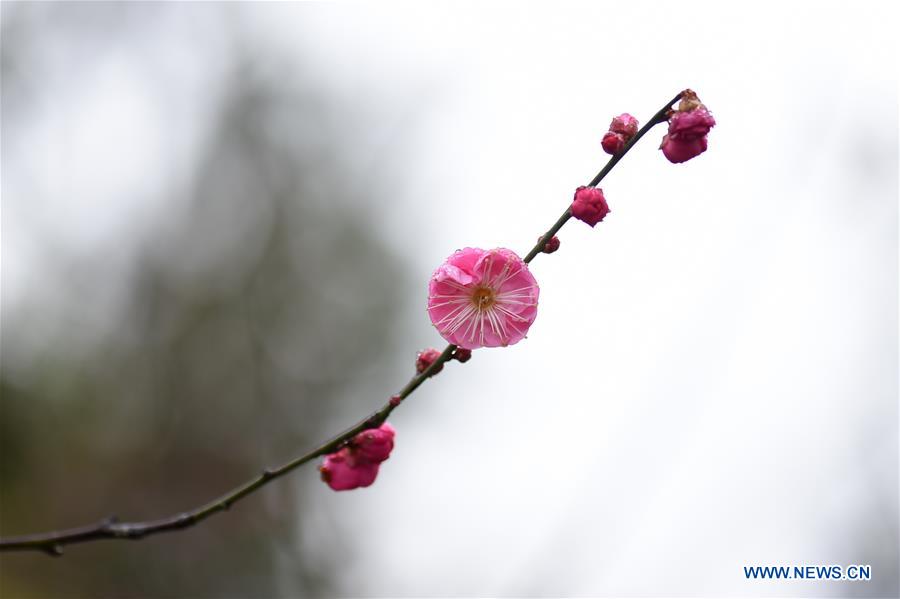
x=712, y=378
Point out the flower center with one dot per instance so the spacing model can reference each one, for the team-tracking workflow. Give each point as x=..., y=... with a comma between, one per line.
x=483, y=298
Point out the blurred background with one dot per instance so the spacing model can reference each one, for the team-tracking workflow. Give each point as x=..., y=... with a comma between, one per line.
x=218, y=222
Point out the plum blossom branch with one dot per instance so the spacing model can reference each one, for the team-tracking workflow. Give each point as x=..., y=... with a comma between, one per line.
x=111, y=528
x=657, y=118
x=52, y=543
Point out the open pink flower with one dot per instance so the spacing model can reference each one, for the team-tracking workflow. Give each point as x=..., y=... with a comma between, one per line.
x=483, y=298
x=356, y=464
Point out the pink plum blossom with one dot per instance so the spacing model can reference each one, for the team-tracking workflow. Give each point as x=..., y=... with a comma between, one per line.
x=483, y=298
x=687, y=134
x=356, y=464
x=589, y=205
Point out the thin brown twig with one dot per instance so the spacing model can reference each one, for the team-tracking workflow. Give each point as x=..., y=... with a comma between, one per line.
x=111, y=528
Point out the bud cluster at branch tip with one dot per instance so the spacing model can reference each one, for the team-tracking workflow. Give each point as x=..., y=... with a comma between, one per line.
x=689, y=125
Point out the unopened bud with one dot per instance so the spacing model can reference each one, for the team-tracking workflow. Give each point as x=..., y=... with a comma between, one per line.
x=613, y=143
x=589, y=205
x=625, y=125
x=374, y=444
x=462, y=354
x=688, y=129
x=621, y=130
x=356, y=464
x=551, y=246
x=426, y=358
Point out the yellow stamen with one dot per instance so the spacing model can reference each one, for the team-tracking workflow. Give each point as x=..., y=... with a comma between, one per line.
x=483, y=298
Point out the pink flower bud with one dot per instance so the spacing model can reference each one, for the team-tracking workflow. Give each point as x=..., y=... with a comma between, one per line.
x=682, y=150
x=462, y=354
x=589, y=205
x=613, y=143
x=341, y=471
x=551, y=246
x=356, y=464
x=625, y=125
x=426, y=358
x=395, y=400
x=374, y=444
x=691, y=125
x=687, y=130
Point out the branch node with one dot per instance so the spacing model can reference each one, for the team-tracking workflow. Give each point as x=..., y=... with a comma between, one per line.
x=184, y=520
x=54, y=550
x=121, y=531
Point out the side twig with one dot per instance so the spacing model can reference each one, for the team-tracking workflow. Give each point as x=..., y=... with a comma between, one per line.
x=111, y=528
